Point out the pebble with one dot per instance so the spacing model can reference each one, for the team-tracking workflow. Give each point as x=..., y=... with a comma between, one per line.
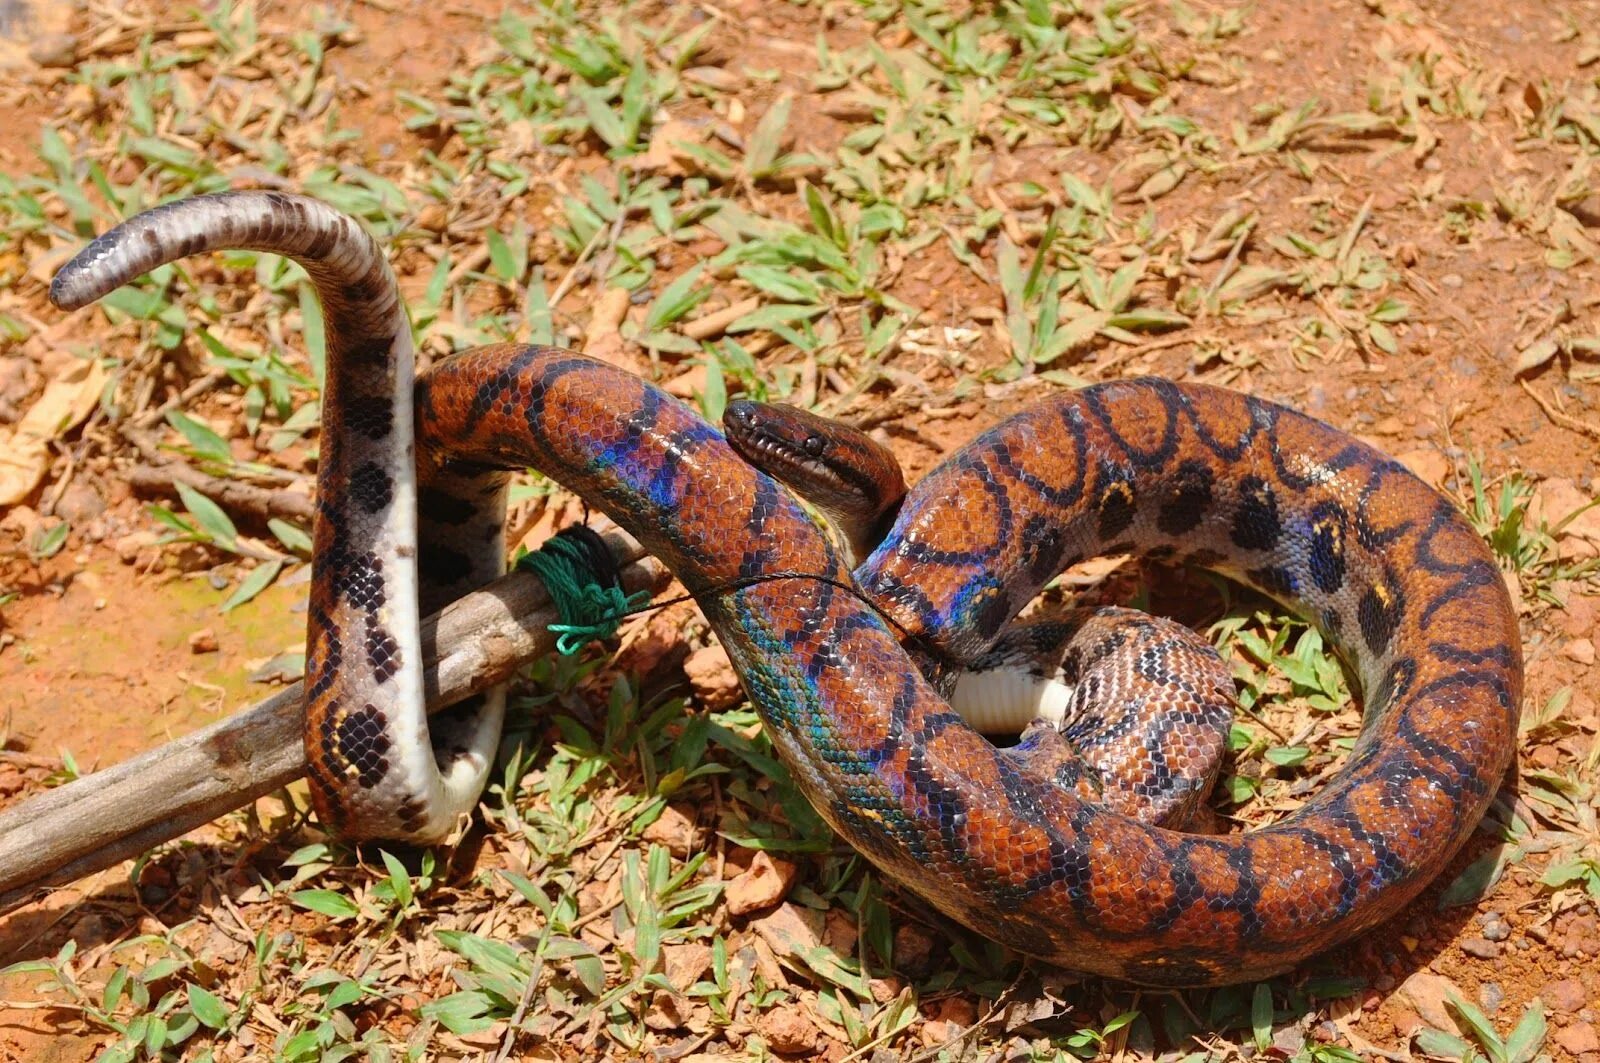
x=1565, y=996
x=1490, y=996
x=1580, y=650
x=1484, y=950
x=952, y=1017
x=712, y=678
x=1426, y=992
x=203, y=641
x=1432, y=466
x=913, y=949
x=675, y=830
x=80, y=503
x=1579, y=1038
x=762, y=886
x=59, y=50
x=1288, y=1041
x=787, y=1030
x=1495, y=927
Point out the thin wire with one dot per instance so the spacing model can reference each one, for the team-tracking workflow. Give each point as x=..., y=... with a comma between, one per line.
x=558, y=563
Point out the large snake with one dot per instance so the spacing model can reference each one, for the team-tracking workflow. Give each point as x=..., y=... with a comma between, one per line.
x=1385, y=565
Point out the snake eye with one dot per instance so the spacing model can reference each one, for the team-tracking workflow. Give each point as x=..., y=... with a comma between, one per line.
x=815, y=445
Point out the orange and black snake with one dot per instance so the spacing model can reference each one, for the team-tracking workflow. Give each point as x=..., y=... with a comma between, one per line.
x=1383, y=564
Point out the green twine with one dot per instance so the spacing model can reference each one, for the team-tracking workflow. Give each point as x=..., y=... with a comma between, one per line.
x=585, y=584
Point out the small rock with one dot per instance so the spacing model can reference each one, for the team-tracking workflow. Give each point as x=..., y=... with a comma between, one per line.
x=790, y=930
x=913, y=949
x=129, y=546
x=1426, y=993
x=1429, y=465
x=203, y=641
x=950, y=1021
x=80, y=504
x=1490, y=997
x=1406, y=1022
x=1579, y=1038
x=684, y=964
x=712, y=678
x=1566, y=996
x=1553, y=502
x=764, y=885
x=842, y=931
x=1289, y=1040
x=661, y=640
x=12, y=781
x=1580, y=936
x=886, y=988
x=58, y=50
x=93, y=929
x=673, y=829
x=787, y=1030
x=21, y=521
x=1581, y=615
x=1389, y=426
x=665, y=1012
x=1580, y=650
x=434, y=218
x=1495, y=927
x=1481, y=948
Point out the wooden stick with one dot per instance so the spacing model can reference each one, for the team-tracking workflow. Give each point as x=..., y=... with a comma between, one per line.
x=100, y=820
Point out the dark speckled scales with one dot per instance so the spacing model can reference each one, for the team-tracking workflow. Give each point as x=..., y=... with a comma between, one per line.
x=1393, y=573
x=1146, y=727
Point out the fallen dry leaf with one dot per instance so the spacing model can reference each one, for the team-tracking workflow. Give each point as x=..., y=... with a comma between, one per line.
x=603, y=339
x=25, y=455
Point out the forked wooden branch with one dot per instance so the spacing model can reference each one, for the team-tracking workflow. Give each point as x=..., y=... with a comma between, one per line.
x=100, y=820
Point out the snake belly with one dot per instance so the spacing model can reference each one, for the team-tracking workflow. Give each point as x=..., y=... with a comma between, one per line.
x=1385, y=565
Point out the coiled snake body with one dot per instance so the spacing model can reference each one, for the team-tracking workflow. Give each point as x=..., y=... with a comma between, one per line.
x=1128, y=710
x=1383, y=563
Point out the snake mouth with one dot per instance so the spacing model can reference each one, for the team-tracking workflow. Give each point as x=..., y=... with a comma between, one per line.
x=785, y=454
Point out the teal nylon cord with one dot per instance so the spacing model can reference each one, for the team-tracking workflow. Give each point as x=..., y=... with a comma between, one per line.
x=582, y=580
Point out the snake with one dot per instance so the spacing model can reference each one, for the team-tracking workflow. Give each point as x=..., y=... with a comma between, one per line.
x=842, y=667
x=1131, y=710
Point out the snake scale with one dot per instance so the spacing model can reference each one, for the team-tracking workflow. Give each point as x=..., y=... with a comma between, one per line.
x=1385, y=565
